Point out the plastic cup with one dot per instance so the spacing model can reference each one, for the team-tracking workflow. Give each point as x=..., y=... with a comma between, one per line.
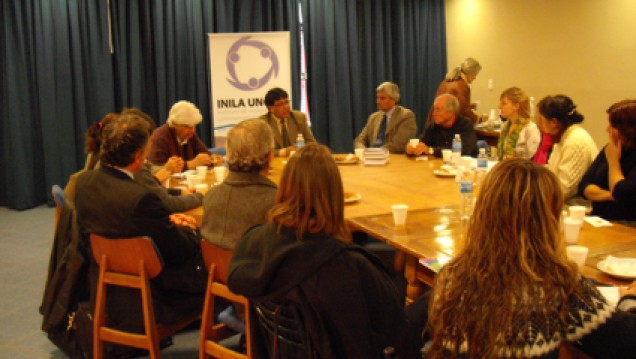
x=446, y=155
x=571, y=229
x=399, y=213
x=577, y=212
x=359, y=153
x=219, y=173
x=577, y=254
x=201, y=187
x=202, y=171
x=193, y=180
x=467, y=161
x=413, y=142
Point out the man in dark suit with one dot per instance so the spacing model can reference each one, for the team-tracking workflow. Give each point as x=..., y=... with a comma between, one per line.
x=392, y=126
x=283, y=120
x=110, y=203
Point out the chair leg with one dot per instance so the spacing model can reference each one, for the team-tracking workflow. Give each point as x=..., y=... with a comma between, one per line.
x=100, y=312
x=208, y=315
x=149, y=315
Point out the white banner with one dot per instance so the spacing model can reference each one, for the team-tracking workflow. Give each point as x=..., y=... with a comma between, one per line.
x=244, y=66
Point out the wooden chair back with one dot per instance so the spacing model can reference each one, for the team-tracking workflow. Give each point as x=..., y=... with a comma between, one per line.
x=221, y=257
x=125, y=262
x=212, y=333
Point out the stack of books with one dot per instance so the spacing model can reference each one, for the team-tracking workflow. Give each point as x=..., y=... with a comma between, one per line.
x=376, y=156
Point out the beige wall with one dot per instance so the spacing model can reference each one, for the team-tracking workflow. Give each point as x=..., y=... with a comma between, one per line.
x=585, y=49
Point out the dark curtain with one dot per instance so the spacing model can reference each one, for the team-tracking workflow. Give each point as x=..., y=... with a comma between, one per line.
x=56, y=78
x=58, y=75
x=355, y=45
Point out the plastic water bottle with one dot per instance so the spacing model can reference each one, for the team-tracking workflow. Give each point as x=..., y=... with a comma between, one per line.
x=467, y=200
x=456, y=156
x=482, y=160
x=300, y=141
x=482, y=167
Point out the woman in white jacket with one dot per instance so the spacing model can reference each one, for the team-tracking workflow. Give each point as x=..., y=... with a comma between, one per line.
x=574, y=149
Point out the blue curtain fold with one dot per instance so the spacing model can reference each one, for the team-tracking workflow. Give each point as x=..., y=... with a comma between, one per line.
x=58, y=75
x=354, y=45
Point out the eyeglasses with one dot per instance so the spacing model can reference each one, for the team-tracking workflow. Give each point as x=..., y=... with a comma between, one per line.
x=281, y=102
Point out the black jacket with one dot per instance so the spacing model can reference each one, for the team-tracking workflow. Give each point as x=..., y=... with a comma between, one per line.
x=349, y=305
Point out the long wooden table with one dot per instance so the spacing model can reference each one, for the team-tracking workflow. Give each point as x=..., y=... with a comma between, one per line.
x=434, y=227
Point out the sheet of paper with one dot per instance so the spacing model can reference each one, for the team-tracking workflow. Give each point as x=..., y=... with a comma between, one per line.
x=597, y=221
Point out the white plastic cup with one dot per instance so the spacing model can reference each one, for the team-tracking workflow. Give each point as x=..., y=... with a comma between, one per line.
x=571, y=229
x=202, y=171
x=399, y=213
x=359, y=153
x=219, y=173
x=467, y=161
x=447, y=154
x=413, y=142
x=577, y=212
x=577, y=254
x=201, y=187
x=193, y=180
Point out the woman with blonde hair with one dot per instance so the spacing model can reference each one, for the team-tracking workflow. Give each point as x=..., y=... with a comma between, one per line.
x=457, y=83
x=303, y=259
x=511, y=291
x=520, y=137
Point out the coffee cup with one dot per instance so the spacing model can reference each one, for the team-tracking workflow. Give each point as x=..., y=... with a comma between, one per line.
x=359, y=153
x=219, y=173
x=571, y=229
x=446, y=155
x=202, y=171
x=577, y=212
x=577, y=254
x=399, y=213
x=193, y=180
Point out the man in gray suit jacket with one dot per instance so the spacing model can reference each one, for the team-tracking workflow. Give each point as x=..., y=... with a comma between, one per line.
x=283, y=120
x=390, y=127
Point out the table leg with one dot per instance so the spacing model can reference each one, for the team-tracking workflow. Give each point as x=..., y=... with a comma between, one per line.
x=414, y=287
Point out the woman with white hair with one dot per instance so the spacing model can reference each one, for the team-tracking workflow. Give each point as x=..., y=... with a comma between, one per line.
x=178, y=137
x=457, y=83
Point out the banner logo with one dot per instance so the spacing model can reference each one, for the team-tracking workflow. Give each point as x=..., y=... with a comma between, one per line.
x=233, y=57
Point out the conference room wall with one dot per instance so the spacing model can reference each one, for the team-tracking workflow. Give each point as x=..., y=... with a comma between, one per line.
x=582, y=48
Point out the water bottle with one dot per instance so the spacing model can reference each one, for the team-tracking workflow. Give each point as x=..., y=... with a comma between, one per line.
x=482, y=160
x=456, y=155
x=467, y=200
x=482, y=167
x=300, y=141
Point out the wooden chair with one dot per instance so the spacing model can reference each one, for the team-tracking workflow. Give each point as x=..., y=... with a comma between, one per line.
x=131, y=263
x=217, y=260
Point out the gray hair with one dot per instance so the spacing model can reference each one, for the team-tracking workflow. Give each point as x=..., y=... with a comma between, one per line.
x=452, y=103
x=390, y=89
x=470, y=66
x=249, y=144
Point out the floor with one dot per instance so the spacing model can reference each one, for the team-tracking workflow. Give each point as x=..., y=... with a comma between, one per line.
x=25, y=245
